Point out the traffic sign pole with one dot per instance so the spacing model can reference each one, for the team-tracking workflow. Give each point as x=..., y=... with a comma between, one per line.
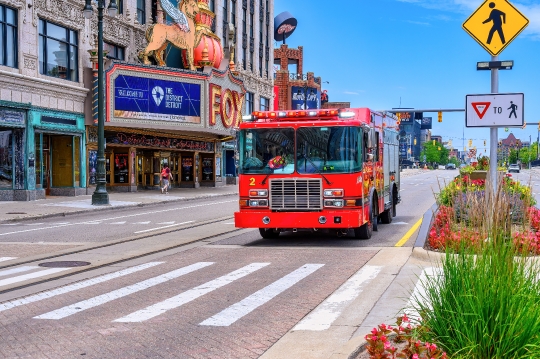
x=493, y=132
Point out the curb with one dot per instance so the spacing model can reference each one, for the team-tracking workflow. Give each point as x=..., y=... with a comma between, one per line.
x=110, y=208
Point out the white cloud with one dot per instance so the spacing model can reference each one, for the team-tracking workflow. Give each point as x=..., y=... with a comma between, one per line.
x=529, y=8
x=419, y=23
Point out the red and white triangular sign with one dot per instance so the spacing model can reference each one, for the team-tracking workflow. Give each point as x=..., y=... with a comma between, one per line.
x=480, y=108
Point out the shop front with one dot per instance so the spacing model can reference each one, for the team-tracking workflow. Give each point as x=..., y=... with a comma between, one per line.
x=173, y=118
x=58, y=155
x=12, y=153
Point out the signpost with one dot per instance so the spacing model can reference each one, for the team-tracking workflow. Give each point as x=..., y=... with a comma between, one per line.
x=494, y=25
x=494, y=110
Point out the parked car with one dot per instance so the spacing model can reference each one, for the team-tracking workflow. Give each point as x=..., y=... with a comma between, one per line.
x=513, y=168
x=451, y=166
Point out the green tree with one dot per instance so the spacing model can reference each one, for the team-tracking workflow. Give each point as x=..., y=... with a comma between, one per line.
x=435, y=153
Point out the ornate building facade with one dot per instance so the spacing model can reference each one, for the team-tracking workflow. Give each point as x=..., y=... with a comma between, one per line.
x=47, y=124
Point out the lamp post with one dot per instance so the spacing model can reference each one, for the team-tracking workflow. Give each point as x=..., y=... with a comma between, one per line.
x=100, y=195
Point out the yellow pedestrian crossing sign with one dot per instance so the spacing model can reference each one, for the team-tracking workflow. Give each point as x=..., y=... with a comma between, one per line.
x=495, y=24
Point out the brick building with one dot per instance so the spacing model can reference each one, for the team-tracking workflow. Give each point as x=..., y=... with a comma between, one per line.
x=296, y=89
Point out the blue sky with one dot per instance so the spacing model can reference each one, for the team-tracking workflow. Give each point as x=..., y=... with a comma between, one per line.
x=383, y=54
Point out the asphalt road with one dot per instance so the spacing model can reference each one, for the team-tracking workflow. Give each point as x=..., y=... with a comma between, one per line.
x=208, y=291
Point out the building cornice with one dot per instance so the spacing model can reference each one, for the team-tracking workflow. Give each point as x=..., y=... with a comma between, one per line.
x=18, y=82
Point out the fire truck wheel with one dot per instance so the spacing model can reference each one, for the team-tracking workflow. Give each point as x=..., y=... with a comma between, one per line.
x=366, y=230
x=386, y=216
x=375, y=218
x=268, y=233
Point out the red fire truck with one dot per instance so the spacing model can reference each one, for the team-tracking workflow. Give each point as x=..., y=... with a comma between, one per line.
x=318, y=169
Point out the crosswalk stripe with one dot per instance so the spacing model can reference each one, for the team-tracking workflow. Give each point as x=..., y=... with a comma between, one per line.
x=328, y=311
x=16, y=270
x=236, y=311
x=22, y=278
x=192, y=294
x=122, y=292
x=3, y=259
x=75, y=286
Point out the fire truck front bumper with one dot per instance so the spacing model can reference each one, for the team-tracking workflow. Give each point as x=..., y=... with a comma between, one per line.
x=299, y=220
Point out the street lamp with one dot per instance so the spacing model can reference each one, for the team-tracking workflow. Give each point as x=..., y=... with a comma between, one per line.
x=100, y=195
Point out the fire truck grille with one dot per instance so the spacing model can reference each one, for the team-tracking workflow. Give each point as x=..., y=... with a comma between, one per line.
x=296, y=194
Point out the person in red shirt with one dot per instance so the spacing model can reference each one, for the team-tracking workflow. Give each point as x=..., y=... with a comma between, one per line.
x=165, y=178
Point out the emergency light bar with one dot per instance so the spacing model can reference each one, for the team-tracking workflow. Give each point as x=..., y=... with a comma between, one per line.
x=291, y=114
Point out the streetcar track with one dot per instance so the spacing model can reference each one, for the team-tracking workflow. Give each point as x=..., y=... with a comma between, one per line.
x=130, y=239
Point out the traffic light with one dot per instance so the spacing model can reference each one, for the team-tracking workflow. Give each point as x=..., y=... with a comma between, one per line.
x=538, y=126
x=484, y=143
x=433, y=142
x=439, y=116
x=470, y=143
x=450, y=143
x=415, y=141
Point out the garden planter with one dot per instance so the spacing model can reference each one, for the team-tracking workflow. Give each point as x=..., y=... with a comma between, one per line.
x=476, y=175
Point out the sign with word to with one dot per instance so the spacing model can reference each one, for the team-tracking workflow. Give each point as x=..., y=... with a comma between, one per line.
x=495, y=24
x=155, y=99
x=494, y=110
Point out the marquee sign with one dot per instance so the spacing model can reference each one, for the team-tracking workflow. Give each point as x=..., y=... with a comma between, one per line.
x=150, y=97
x=227, y=97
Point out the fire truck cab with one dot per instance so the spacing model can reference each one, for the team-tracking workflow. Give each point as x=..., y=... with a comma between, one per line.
x=318, y=169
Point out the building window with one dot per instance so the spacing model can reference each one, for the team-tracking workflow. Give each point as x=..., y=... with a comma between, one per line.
x=8, y=36
x=120, y=4
x=58, y=53
x=233, y=13
x=249, y=103
x=114, y=51
x=252, y=25
x=265, y=104
x=212, y=5
x=225, y=27
x=141, y=11
x=244, y=58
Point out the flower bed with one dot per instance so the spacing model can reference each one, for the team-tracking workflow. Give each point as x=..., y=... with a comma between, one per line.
x=463, y=207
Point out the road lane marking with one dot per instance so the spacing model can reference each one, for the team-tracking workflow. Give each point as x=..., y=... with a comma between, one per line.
x=17, y=270
x=75, y=286
x=192, y=294
x=328, y=311
x=122, y=222
x=409, y=233
x=167, y=222
x=236, y=311
x=22, y=278
x=122, y=292
x=3, y=259
x=119, y=217
x=145, y=222
x=171, y=225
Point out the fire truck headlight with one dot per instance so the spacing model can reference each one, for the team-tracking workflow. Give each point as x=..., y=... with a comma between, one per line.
x=258, y=193
x=333, y=203
x=333, y=193
x=258, y=203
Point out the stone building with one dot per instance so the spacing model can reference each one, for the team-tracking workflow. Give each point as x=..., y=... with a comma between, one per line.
x=47, y=126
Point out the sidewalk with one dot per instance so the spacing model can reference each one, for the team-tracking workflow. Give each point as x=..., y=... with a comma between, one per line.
x=54, y=206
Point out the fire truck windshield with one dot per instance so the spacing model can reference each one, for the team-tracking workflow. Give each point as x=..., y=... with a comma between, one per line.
x=328, y=149
x=266, y=150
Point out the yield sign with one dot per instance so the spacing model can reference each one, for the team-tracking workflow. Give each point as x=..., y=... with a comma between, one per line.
x=480, y=108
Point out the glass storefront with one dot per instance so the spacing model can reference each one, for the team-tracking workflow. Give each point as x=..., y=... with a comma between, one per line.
x=6, y=159
x=57, y=161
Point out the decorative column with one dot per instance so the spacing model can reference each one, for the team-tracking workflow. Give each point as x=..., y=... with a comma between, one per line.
x=94, y=59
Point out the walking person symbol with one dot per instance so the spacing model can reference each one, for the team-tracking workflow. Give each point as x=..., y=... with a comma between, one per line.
x=514, y=107
x=499, y=18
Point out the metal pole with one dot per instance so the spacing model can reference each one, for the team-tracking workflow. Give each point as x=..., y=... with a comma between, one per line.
x=493, y=131
x=100, y=195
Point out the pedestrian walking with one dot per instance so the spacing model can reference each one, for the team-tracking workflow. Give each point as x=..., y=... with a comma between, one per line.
x=165, y=178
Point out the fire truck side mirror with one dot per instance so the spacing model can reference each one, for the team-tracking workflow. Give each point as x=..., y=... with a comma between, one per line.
x=370, y=141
